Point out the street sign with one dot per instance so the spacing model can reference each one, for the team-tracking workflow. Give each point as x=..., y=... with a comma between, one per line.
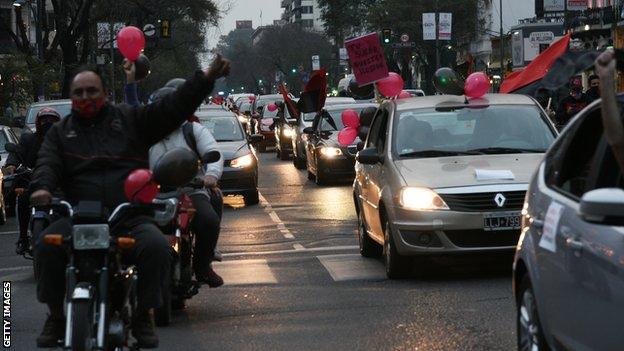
x=404, y=38
x=410, y=44
x=316, y=62
x=445, y=25
x=149, y=30
x=429, y=26
x=367, y=58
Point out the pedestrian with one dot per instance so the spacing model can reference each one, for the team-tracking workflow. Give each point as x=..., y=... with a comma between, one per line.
x=8, y=113
x=571, y=104
x=593, y=93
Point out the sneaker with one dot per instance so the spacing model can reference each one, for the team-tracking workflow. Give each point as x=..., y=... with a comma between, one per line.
x=211, y=278
x=143, y=331
x=53, y=331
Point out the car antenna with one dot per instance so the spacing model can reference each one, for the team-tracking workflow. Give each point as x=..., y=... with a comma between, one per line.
x=466, y=102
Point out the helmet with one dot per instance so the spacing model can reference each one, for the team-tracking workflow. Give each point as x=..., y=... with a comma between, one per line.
x=140, y=187
x=175, y=83
x=160, y=93
x=48, y=112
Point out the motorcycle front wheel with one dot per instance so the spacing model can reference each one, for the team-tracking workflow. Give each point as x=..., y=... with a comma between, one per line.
x=82, y=325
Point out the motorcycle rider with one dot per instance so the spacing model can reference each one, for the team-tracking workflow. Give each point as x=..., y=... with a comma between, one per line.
x=29, y=145
x=88, y=156
x=206, y=222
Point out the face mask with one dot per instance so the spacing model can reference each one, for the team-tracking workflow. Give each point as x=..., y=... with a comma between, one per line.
x=44, y=127
x=88, y=108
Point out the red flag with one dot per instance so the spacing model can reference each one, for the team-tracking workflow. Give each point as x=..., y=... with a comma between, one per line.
x=318, y=82
x=292, y=108
x=538, y=68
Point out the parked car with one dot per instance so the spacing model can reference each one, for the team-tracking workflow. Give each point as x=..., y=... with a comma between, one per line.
x=240, y=171
x=440, y=175
x=326, y=158
x=569, y=263
x=7, y=199
x=63, y=107
x=299, y=140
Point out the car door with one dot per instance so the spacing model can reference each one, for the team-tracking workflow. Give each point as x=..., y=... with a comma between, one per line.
x=373, y=174
x=311, y=144
x=580, y=264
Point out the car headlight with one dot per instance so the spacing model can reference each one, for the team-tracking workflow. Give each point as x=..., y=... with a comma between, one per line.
x=243, y=161
x=421, y=199
x=330, y=151
x=289, y=132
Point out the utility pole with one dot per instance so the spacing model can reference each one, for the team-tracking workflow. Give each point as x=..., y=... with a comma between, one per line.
x=41, y=8
x=437, y=41
x=112, y=54
x=501, y=43
x=565, y=17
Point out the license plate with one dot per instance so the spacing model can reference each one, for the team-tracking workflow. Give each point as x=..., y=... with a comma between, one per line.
x=501, y=221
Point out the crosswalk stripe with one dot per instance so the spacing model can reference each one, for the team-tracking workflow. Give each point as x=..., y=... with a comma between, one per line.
x=352, y=267
x=244, y=272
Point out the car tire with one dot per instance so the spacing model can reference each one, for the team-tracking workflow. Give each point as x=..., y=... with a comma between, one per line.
x=368, y=247
x=397, y=266
x=310, y=175
x=252, y=198
x=528, y=327
x=299, y=163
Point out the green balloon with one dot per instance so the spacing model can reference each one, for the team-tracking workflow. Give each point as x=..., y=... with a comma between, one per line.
x=446, y=82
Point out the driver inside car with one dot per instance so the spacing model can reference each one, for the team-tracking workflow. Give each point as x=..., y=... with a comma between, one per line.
x=87, y=156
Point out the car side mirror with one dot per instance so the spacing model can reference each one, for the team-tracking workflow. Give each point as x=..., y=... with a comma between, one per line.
x=256, y=138
x=308, y=130
x=360, y=146
x=11, y=147
x=368, y=156
x=603, y=206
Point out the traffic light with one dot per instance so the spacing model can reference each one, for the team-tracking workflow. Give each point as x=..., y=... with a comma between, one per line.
x=294, y=70
x=165, y=29
x=386, y=35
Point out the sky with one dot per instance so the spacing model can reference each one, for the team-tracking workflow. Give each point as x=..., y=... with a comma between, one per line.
x=513, y=10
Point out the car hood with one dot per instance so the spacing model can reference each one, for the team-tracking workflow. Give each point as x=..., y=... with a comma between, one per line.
x=444, y=172
x=331, y=139
x=233, y=149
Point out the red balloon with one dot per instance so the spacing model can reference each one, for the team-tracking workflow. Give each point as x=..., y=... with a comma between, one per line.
x=347, y=136
x=131, y=42
x=391, y=85
x=272, y=107
x=350, y=118
x=477, y=85
x=251, y=97
x=404, y=95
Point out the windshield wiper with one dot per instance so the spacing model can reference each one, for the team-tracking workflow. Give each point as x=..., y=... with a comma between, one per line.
x=438, y=153
x=228, y=140
x=507, y=150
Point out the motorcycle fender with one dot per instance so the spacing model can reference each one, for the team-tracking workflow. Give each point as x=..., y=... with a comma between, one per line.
x=82, y=293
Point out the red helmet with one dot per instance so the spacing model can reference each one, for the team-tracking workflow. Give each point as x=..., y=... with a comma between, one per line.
x=47, y=111
x=140, y=186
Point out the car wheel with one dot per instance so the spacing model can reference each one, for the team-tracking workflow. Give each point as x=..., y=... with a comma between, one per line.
x=310, y=175
x=529, y=329
x=368, y=247
x=397, y=266
x=252, y=198
x=299, y=163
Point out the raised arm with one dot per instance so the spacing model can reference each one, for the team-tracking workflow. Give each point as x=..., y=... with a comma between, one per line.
x=611, y=119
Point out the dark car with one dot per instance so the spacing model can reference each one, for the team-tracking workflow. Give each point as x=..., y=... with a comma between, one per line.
x=299, y=139
x=284, y=133
x=63, y=107
x=326, y=158
x=7, y=200
x=240, y=169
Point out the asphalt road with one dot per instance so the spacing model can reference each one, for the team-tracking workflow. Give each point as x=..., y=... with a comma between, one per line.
x=295, y=281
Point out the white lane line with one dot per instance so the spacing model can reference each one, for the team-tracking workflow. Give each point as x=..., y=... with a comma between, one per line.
x=305, y=250
x=9, y=232
x=243, y=272
x=275, y=218
x=298, y=246
x=12, y=269
x=352, y=267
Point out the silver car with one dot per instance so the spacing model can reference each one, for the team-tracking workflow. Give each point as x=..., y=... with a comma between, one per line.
x=569, y=264
x=441, y=175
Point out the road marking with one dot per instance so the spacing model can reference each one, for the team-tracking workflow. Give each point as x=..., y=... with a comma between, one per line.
x=352, y=267
x=298, y=246
x=244, y=272
x=275, y=218
x=9, y=232
x=290, y=251
x=18, y=268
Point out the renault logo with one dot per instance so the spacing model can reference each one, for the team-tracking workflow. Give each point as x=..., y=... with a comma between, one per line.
x=500, y=199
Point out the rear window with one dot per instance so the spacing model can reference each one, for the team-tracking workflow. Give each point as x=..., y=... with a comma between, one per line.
x=62, y=109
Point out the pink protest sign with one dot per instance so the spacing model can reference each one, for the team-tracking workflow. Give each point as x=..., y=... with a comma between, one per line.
x=367, y=59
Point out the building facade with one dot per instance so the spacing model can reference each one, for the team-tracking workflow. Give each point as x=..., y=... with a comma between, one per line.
x=306, y=13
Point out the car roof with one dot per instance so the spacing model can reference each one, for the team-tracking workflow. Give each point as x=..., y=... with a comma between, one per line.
x=434, y=100
x=339, y=100
x=51, y=103
x=346, y=106
x=214, y=113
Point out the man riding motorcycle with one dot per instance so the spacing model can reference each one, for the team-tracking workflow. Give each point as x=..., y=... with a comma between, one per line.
x=88, y=156
x=206, y=222
x=29, y=146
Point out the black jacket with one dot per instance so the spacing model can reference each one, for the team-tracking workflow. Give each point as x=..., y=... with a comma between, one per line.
x=89, y=159
x=29, y=145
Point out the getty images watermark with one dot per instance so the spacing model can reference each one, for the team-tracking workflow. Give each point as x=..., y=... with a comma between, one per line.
x=6, y=314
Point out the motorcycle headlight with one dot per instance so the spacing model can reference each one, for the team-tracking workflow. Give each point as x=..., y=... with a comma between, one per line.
x=91, y=236
x=242, y=118
x=243, y=161
x=289, y=132
x=330, y=151
x=421, y=199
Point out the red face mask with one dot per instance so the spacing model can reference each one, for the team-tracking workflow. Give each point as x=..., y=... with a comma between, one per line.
x=88, y=108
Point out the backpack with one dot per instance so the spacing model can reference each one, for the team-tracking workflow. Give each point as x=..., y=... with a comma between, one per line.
x=189, y=137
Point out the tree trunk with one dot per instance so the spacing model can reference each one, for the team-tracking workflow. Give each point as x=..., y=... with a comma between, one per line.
x=70, y=63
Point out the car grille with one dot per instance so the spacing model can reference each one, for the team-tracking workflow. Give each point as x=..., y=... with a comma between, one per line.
x=481, y=238
x=479, y=202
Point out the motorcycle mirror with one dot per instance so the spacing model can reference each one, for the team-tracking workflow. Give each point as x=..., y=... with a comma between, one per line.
x=11, y=147
x=176, y=168
x=211, y=157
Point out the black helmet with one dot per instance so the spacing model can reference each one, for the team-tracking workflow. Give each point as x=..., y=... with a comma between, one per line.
x=160, y=93
x=175, y=83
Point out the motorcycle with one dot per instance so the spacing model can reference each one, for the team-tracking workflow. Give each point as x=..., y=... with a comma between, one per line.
x=15, y=186
x=176, y=225
x=101, y=296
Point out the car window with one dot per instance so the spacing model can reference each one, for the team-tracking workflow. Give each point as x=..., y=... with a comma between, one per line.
x=3, y=141
x=496, y=129
x=309, y=116
x=62, y=109
x=333, y=119
x=569, y=162
x=223, y=128
x=377, y=135
x=245, y=106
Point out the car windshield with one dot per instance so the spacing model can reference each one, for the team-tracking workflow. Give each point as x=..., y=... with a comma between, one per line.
x=223, y=128
x=62, y=109
x=336, y=117
x=499, y=129
x=309, y=117
x=268, y=114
